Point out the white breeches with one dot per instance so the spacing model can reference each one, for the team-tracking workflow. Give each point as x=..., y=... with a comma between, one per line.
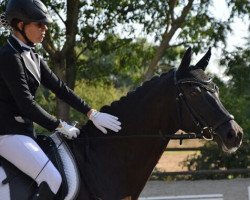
x=25, y=154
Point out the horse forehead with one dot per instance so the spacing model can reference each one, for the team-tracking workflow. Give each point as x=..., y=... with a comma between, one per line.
x=197, y=74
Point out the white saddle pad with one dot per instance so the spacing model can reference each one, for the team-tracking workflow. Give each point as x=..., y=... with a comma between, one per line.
x=70, y=167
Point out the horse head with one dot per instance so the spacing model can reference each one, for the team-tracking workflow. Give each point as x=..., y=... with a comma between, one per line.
x=199, y=106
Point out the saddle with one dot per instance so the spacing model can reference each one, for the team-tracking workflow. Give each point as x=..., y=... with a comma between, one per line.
x=23, y=187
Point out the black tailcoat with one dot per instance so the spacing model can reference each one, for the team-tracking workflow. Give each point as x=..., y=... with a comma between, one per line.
x=18, y=108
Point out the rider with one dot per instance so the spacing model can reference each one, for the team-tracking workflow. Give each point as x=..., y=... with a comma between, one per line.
x=21, y=72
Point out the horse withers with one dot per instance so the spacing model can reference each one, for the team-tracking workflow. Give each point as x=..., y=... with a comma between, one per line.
x=116, y=166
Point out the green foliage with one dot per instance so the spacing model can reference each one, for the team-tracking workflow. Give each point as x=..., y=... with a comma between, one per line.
x=96, y=95
x=115, y=60
x=236, y=94
x=239, y=7
x=205, y=31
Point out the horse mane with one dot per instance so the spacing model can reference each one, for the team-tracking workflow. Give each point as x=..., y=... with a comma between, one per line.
x=140, y=95
x=137, y=93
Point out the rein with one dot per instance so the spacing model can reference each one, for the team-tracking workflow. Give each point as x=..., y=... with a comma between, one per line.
x=181, y=137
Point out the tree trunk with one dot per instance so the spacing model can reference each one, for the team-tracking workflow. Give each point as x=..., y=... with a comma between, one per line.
x=167, y=36
x=64, y=60
x=68, y=56
x=62, y=109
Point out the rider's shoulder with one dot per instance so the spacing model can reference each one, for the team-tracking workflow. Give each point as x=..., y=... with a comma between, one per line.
x=7, y=52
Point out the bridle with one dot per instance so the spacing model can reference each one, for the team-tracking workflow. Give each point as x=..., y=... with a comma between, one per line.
x=206, y=132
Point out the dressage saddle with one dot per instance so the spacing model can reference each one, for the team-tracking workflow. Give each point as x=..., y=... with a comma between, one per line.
x=22, y=187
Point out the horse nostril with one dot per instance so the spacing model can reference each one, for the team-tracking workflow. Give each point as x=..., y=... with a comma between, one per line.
x=240, y=135
x=231, y=134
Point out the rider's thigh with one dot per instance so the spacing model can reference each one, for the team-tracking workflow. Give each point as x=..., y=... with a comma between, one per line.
x=25, y=154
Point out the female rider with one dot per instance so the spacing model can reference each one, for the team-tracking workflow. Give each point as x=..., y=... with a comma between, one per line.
x=21, y=72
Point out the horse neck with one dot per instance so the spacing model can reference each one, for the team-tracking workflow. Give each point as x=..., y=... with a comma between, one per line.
x=119, y=166
x=152, y=113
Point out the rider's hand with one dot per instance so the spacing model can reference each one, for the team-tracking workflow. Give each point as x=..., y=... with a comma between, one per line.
x=104, y=120
x=67, y=130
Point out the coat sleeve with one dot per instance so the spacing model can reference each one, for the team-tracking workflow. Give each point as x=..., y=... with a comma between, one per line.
x=62, y=91
x=13, y=74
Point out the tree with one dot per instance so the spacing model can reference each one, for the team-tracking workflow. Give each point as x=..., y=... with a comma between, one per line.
x=165, y=19
x=238, y=68
x=86, y=21
x=82, y=23
x=118, y=61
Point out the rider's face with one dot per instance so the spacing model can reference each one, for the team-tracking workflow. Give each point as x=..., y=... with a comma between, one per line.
x=34, y=31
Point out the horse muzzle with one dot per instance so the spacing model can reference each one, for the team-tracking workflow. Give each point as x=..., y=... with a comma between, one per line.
x=229, y=136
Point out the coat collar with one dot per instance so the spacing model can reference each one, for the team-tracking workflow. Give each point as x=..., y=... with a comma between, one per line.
x=33, y=65
x=15, y=44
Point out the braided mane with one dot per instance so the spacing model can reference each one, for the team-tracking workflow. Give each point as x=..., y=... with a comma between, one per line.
x=144, y=100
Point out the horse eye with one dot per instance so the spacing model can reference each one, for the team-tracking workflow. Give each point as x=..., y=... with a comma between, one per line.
x=196, y=91
x=193, y=93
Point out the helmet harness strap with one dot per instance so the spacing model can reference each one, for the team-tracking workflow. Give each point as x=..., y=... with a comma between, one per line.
x=22, y=31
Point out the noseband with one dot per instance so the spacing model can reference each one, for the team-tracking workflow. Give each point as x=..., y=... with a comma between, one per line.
x=198, y=121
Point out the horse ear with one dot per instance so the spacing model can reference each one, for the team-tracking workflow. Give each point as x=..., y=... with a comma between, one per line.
x=203, y=63
x=185, y=62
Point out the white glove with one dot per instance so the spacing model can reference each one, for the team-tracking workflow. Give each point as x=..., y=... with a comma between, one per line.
x=104, y=120
x=67, y=130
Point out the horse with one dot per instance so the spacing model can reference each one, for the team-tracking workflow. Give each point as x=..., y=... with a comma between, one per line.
x=116, y=166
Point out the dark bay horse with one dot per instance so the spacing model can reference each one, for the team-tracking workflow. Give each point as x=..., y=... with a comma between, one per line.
x=117, y=165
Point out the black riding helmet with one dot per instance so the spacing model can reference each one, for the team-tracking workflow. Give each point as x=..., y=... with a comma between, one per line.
x=27, y=11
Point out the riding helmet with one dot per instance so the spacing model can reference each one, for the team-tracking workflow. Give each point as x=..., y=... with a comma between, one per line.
x=27, y=11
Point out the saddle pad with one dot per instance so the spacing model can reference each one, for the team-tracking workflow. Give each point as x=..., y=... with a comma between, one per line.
x=70, y=167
